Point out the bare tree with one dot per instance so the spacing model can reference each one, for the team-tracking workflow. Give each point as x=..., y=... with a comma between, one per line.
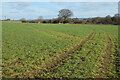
x=40, y=18
x=23, y=20
x=65, y=13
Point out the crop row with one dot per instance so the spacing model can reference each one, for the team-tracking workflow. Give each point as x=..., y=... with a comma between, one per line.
x=27, y=48
x=80, y=64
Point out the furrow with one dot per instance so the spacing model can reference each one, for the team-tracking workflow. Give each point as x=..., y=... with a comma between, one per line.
x=61, y=57
x=106, y=60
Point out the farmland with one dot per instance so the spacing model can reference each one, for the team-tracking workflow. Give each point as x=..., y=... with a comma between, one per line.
x=32, y=50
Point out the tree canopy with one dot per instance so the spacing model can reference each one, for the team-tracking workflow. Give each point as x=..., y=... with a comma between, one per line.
x=65, y=13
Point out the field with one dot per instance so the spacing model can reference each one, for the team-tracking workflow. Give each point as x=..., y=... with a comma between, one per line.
x=32, y=50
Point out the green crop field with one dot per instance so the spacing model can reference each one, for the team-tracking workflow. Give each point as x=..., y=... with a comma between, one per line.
x=33, y=50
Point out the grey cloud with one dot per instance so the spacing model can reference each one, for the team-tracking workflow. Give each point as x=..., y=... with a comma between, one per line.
x=29, y=10
x=92, y=6
x=25, y=4
x=13, y=12
x=21, y=6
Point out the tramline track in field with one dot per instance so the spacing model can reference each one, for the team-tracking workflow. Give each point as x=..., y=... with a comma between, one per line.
x=83, y=60
x=107, y=59
x=60, y=58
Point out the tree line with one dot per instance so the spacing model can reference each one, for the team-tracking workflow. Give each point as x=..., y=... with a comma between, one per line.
x=64, y=18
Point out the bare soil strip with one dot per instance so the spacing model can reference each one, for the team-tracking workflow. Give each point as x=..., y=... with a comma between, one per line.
x=60, y=58
x=106, y=60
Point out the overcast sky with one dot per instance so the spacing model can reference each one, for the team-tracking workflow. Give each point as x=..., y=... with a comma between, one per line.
x=32, y=10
